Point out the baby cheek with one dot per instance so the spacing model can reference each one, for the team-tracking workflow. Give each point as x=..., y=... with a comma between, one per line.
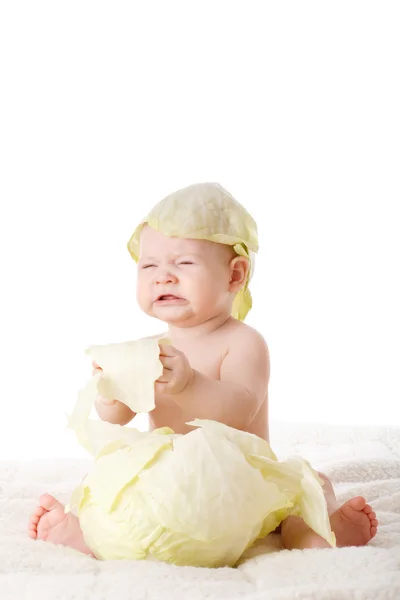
x=142, y=293
x=206, y=290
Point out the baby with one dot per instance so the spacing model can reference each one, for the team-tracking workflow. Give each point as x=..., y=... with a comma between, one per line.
x=216, y=367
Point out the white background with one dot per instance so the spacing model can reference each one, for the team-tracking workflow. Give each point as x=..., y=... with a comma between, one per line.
x=106, y=107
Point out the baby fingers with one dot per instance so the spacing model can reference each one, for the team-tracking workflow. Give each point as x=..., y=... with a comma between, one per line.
x=96, y=368
x=167, y=362
x=167, y=350
x=165, y=377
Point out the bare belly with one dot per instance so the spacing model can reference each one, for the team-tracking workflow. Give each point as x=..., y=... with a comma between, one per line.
x=171, y=415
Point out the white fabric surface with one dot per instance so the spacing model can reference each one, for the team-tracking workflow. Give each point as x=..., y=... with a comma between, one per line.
x=358, y=460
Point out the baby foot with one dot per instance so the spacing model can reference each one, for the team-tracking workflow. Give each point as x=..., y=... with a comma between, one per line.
x=44, y=522
x=354, y=523
x=50, y=523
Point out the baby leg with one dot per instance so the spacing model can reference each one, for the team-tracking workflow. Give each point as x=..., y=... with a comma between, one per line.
x=354, y=524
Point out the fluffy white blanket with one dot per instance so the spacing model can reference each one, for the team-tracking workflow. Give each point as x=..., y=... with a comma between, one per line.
x=358, y=460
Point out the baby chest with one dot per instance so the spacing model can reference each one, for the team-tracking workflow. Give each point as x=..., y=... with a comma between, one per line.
x=206, y=359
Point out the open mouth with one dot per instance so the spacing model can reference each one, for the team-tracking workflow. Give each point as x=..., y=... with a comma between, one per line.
x=169, y=298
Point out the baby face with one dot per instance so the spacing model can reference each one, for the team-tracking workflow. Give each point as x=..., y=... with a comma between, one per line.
x=183, y=281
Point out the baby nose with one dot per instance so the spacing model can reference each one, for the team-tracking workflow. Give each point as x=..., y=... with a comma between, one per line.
x=164, y=276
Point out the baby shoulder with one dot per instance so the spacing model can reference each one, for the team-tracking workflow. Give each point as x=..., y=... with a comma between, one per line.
x=250, y=341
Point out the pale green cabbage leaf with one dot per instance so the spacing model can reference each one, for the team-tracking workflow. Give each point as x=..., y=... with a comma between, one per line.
x=198, y=499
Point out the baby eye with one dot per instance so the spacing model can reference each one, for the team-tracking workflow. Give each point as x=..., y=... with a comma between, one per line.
x=147, y=266
x=186, y=262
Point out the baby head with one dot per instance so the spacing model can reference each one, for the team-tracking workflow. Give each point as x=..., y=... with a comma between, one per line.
x=195, y=256
x=187, y=281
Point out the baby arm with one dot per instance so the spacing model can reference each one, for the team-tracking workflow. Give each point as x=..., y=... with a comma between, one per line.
x=112, y=411
x=236, y=397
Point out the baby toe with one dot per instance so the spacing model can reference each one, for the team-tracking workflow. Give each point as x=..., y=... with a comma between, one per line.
x=374, y=523
x=37, y=515
x=357, y=503
x=32, y=529
x=47, y=502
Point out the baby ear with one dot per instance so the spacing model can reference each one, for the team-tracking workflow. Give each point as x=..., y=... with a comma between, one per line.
x=240, y=267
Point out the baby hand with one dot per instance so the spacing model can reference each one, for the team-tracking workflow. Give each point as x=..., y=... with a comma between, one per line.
x=97, y=369
x=177, y=372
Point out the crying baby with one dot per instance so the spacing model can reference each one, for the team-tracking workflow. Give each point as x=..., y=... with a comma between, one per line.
x=203, y=484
